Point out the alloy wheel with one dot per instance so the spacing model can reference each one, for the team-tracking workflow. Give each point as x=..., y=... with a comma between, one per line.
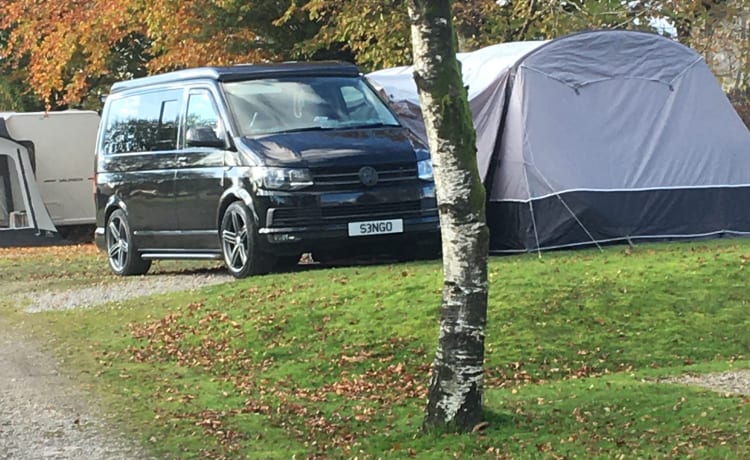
x=235, y=238
x=117, y=243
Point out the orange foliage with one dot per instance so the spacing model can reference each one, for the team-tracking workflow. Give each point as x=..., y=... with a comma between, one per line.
x=69, y=45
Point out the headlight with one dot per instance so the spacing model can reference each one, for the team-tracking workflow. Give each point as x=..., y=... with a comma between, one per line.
x=280, y=178
x=424, y=169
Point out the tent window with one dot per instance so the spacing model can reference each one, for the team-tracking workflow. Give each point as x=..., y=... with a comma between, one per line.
x=12, y=206
x=6, y=204
x=143, y=123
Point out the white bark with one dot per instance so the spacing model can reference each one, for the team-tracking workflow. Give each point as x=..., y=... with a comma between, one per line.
x=455, y=397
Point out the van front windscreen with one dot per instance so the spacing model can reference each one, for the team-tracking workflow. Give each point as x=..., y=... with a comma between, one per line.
x=278, y=105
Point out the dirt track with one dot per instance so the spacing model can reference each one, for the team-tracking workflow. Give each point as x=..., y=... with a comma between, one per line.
x=43, y=415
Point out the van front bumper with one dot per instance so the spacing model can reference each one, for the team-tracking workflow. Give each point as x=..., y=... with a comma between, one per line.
x=411, y=227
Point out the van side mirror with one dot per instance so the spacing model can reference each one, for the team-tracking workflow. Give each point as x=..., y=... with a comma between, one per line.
x=203, y=136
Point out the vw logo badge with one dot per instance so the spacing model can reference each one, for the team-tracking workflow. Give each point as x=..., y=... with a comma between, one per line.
x=368, y=176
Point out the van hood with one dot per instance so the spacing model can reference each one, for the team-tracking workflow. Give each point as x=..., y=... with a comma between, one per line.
x=337, y=147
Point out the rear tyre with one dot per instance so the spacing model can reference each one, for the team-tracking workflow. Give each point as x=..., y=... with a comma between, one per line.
x=239, y=243
x=124, y=259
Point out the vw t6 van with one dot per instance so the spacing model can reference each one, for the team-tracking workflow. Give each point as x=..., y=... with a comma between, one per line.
x=256, y=165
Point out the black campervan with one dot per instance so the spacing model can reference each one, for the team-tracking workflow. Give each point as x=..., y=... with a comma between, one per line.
x=257, y=164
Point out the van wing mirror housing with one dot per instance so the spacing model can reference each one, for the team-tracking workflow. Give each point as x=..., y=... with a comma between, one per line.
x=204, y=136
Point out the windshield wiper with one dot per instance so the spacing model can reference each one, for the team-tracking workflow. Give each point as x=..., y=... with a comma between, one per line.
x=310, y=128
x=371, y=125
x=336, y=127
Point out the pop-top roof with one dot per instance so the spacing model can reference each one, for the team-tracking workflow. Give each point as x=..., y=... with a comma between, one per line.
x=244, y=72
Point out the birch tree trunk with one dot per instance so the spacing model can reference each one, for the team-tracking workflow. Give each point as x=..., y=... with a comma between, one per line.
x=456, y=387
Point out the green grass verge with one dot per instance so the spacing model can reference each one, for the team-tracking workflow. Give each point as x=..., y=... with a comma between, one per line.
x=334, y=362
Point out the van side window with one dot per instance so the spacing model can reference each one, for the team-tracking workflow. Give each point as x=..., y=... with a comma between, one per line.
x=143, y=123
x=169, y=120
x=202, y=124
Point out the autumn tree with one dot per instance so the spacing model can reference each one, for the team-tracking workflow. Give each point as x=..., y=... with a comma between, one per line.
x=517, y=20
x=377, y=36
x=720, y=31
x=15, y=95
x=73, y=49
x=456, y=387
x=375, y=33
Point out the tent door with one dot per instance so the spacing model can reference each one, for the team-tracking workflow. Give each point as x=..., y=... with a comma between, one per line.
x=21, y=205
x=10, y=216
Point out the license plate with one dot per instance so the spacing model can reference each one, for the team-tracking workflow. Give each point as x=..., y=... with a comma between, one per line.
x=376, y=227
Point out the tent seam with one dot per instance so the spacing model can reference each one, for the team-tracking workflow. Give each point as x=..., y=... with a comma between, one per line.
x=625, y=238
x=619, y=190
x=685, y=70
x=668, y=83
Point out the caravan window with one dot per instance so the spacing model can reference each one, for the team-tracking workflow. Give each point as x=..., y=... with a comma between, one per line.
x=143, y=122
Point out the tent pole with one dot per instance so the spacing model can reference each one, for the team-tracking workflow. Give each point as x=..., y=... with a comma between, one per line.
x=531, y=211
x=533, y=225
x=591, y=237
x=30, y=210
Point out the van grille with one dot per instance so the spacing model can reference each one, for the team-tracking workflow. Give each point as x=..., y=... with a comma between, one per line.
x=371, y=210
x=284, y=217
x=289, y=217
x=348, y=177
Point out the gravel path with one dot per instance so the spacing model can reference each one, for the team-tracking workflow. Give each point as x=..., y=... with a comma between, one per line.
x=731, y=383
x=121, y=290
x=43, y=415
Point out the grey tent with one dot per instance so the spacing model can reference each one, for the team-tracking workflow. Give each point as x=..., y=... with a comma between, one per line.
x=598, y=137
x=23, y=217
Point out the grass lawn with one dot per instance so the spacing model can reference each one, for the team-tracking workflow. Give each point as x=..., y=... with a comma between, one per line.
x=334, y=363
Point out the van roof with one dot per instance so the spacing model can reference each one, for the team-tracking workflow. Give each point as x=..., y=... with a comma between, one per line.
x=244, y=72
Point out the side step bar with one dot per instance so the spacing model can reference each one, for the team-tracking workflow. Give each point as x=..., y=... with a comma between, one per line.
x=181, y=255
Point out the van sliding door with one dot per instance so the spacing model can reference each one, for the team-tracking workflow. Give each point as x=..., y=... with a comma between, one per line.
x=140, y=142
x=200, y=171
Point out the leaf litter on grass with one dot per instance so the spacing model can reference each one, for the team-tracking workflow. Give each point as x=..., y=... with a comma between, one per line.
x=214, y=343
x=311, y=354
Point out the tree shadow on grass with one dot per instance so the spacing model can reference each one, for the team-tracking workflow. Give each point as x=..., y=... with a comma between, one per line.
x=497, y=419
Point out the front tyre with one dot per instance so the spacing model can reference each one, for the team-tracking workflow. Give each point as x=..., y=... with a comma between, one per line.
x=239, y=243
x=122, y=253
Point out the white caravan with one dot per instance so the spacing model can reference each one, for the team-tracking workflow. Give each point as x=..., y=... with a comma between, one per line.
x=46, y=176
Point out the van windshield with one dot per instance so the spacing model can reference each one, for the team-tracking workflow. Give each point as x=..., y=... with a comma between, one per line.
x=277, y=105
